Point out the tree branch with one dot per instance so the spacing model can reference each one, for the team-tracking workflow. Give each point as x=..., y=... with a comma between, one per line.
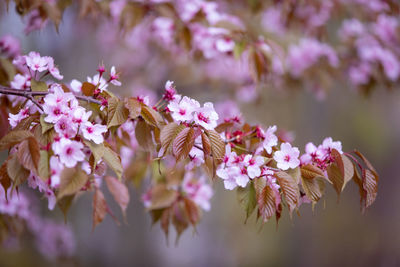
x=30, y=94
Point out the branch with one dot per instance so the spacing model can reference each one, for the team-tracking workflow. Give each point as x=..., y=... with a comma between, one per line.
x=30, y=94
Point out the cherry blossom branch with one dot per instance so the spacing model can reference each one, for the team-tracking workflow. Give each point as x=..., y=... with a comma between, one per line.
x=30, y=94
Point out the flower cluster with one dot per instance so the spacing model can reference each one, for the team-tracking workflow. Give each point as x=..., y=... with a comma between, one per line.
x=321, y=155
x=188, y=110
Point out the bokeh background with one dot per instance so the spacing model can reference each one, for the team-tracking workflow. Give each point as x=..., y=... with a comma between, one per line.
x=335, y=234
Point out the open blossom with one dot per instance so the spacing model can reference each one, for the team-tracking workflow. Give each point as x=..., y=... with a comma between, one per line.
x=56, y=168
x=10, y=46
x=71, y=152
x=93, y=132
x=35, y=62
x=253, y=164
x=270, y=139
x=14, y=119
x=170, y=92
x=183, y=111
x=65, y=127
x=206, y=116
x=287, y=157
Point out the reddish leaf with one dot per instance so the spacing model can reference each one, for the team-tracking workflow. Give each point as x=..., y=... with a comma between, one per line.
x=206, y=144
x=17, y=173
x=310, y=171
x=266, y=203
x=5, y=180
x=13, y=138
x=134, y=107
x=183, y=143
x=119, y=191
x=143, y=135
x=179, y=219
x=314, y=188
x=217, y=146
x=99, y=208
x=192, y=211
x=117, y=112
x=29, y=154
x=167, y=135
x=370, y=185
x=88, y=89
x=161, y=197
x=290, y=189
x=72, y=181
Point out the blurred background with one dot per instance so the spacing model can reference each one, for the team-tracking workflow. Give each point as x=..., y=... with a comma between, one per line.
x=335, y=234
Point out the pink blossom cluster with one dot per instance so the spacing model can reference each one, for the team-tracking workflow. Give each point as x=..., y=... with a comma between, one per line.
x=10, y=46
x=53, y=240
x=321, y=155
x=187, y=110
x=308, y=53
x=34, y=64
x=377, y=46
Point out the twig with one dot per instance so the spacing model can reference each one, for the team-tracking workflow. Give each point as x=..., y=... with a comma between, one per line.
x=31, y=94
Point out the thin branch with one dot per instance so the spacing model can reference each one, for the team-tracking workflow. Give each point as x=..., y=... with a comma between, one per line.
x=31, y=94
x=36, y=103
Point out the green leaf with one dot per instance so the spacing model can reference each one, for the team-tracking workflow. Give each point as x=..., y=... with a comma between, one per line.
x=44, y=169
x=98, y=150
x=113, y=161
x=38, y=86
x=119, y=191
x=247, y=199
x=295, y=173
x=183, y=143
x=45, y=125
x=117, y=112
x=72, y=181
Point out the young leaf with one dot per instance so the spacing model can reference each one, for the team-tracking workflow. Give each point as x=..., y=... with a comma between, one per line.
x=99, y=208
x=17, y=173
x=98, y=150
x=151, y=116
x=161, y=197
x=370, y=185
x=13, y=138
x=143, y=135
x=5, y=180
x=119, y=191
x=29, y=154
x=192, y=211
x=44, y=169
x=183, y=143
x=117, y=112
x=290, y=190
x=113, y=161
x=64, y=204
x=266, y=203
x=314, y=187
x=72, y=181
x=335, y=177
x=310, y=171
x=217, y=146
x=206, y=144
x=179, y=219
x=247, y=199
x=167, y=135
x=88, y=89
x=45, y=125
x=134, y=107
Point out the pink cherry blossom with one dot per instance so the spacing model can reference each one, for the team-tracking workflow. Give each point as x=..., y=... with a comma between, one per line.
x=66, y=127
x=10, y=46
x=71, y=152
x=35, y=62
x=253, y=164
x=206, y=116
x=93, y=132
x=56, y=167
x=14, y=119
x=183, y=111
x=270, y=139
x=197, y=190
x=287, y=157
